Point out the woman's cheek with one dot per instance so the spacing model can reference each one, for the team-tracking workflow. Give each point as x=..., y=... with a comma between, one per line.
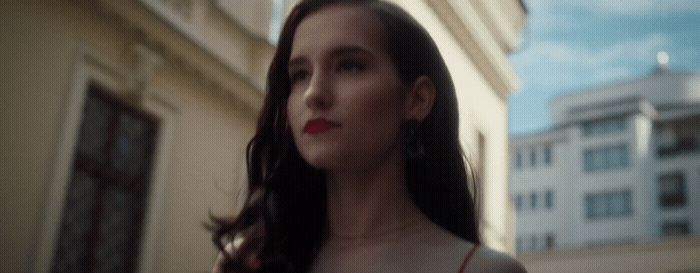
x=377, y=119
x=294, y=111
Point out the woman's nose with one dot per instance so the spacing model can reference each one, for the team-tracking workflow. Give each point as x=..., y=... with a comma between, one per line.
x=319, y=93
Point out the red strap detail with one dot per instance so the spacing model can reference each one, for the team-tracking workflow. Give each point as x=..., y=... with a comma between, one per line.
x=466, y=259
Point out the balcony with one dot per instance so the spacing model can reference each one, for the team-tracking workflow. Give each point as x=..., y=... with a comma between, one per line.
x=682, y=146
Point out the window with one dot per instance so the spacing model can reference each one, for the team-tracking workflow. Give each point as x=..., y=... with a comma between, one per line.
x=606, y=158
x=533, y=243
x=107, y=192
x=533, y=157
x=521, y=201
x=672, y=190
x=675, y=228
x=549, y=199
x=604, y=126
x=549, y=241
x=548, y=154
x=518, y=159
x=682, y=145
x=518, y=202
x=608, y=204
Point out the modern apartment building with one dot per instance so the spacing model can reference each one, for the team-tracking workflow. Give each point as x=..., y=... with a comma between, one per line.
x=620, y=164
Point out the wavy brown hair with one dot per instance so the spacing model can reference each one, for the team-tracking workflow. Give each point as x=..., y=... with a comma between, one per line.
x=283, y=220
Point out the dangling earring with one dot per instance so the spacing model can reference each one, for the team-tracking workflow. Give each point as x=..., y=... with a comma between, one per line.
x=413, y=144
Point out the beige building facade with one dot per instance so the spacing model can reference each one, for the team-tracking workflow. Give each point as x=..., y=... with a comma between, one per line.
x=183, y=83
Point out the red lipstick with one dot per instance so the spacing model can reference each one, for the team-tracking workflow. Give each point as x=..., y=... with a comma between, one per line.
x=319, y=125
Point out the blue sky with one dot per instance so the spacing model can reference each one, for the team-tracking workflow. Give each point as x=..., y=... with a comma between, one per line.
x=570, y=45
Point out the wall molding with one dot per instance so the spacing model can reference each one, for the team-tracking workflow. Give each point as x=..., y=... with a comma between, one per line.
x=473, y=36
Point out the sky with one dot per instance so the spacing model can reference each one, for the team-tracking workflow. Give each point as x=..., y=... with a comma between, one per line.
x=571, y=45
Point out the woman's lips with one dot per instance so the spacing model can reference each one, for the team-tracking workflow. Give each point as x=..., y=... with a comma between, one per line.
x=319, y=125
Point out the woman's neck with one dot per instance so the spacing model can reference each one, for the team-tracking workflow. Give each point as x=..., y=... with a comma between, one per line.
x=372, y=203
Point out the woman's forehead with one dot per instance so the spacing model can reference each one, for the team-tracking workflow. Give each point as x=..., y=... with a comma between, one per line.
x=338, y=26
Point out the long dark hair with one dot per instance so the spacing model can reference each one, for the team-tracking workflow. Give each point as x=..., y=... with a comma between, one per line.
x=283, y=220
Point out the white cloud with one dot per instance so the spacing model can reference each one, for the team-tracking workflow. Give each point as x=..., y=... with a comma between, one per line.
x=563, y=65
x=637, y=7
x=563, y=53
x=639, y=50
x=621, y=7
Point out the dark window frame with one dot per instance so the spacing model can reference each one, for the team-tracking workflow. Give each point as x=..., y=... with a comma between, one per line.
x=606, y=126
x=117, y=171
x=675, y=199
x=675, y=228
x=549, y=199
x=607, y=200
x=518, y=200
x=548, y=154
x=550, y=241
x=605, y=153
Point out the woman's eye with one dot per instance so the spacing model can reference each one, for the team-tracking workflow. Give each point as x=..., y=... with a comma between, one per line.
x=351, y=66
x=298, y=76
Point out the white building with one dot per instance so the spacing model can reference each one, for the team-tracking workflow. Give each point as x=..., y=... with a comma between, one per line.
x=620, y=164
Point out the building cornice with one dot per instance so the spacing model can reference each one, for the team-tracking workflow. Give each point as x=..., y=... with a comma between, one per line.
x=236, y=22
x=548, y=135
x=474, y=38
x=503, y=28
x=187, y=47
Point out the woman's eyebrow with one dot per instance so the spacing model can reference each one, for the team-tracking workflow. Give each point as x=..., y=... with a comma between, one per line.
x=349, y=50
x=336, y=52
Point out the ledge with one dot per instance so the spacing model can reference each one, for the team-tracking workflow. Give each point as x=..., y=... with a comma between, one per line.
x=186, y=46
x=479, y=44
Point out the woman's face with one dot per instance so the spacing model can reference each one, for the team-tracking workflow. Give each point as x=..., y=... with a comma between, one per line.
x=346, y=102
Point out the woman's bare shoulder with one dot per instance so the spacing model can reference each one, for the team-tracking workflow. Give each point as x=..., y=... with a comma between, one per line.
x=489, y=260
x=484, y=259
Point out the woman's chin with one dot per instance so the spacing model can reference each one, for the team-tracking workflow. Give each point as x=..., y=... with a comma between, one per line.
x=320, y=162
x=323, y=160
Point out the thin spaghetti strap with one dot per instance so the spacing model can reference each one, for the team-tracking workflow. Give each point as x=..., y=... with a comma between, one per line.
x=466, y=259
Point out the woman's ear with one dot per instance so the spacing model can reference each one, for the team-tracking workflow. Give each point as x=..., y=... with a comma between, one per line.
x=420, y=100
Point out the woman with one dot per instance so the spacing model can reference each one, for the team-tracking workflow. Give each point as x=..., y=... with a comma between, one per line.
x=356, y=165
